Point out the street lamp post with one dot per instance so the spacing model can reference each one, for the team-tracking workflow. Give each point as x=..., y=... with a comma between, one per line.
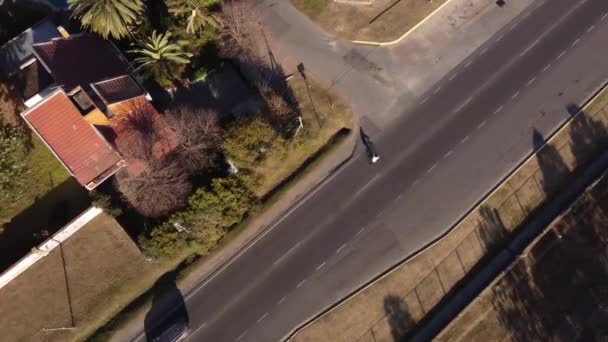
x=314, y=109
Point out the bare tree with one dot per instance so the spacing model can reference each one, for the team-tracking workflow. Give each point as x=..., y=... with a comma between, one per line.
x=277, y=105
x=141, y=122
x=241, y=29
x=162, y=188
x=198, y=134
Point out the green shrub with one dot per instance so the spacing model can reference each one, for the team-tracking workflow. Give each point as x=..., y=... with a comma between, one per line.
x=13, y=161
x=208, y=217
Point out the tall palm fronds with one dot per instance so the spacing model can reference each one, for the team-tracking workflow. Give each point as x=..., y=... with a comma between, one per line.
x=108, y=17
x=196, y=12
x=160, y=58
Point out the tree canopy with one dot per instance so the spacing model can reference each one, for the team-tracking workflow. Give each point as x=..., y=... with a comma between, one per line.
x=108, y=18
x=160, y=58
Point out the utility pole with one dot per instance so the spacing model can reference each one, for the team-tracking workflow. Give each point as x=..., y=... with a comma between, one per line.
x=314, y=109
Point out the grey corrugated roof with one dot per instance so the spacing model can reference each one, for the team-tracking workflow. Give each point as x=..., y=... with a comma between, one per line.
x=19, y=49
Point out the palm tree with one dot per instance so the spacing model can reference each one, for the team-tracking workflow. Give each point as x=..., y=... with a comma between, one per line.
x=197, y=13
x=108, y=17
x=159, y=58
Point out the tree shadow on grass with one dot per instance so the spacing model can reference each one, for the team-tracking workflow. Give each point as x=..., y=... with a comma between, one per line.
x=42, y=219
x=168, y=318
x=559, y=289
x=492, y=231
x=398, y=316
x=552, y=166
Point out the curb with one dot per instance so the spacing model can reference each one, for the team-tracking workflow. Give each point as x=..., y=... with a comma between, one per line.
x=393, y=42
x=313, y=318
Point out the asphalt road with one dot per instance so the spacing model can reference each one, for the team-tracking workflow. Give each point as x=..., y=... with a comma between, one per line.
x=438, y=159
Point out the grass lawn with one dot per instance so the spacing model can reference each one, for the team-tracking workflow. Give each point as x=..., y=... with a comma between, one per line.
x=383, y=21
x=46, y=172
x=36, y=303
x=333, y=115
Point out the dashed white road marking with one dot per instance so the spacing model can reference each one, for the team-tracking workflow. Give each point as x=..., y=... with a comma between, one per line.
x=300, y=284
x=423, y=101
x=464, y=139
x=576, y=41
x=241, y=336
x=436, y=90
x=448, y=153
x=500, y=38
x=482, y=124
x=360, y=231
x=340, y=249
x=498, y=110
x=515, y=95
x=531, y=81
x=262, y=317
x=604, y=16
x=282, y=299
x=561, y=54
x=431, y=168
x=452, y=77
x=547, y=67
x=323, y=263
x=483, y=51
x=590, y=28
x=462, y=105
x=468, y=63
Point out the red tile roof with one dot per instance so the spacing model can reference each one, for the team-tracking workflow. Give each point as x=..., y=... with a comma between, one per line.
x=83, y=151
x=81, y=60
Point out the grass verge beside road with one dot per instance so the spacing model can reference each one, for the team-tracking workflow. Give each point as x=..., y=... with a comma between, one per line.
x=323, y=116
x=383, y=21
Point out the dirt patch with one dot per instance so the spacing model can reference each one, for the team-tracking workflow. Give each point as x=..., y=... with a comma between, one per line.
x=382, y=21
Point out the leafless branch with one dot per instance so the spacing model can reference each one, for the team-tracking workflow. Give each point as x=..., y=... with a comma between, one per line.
x=241, y=29
x=141, y=122
x=160, y=189
x=277, y=105
x=198, y=134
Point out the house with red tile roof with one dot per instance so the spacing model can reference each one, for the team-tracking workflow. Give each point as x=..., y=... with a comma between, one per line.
x=82, y=101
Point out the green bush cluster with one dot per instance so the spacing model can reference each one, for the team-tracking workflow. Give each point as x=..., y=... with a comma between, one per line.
x=210, y=214
x=248, y=143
